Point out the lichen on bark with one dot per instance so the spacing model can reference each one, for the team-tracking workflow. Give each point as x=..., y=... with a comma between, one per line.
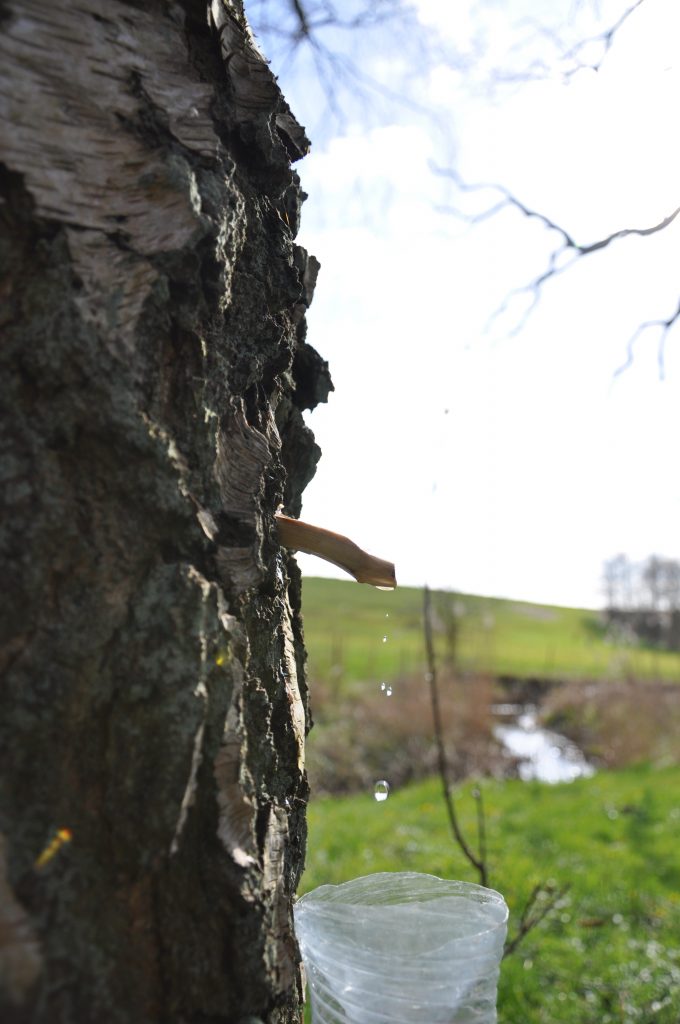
x=154, y=370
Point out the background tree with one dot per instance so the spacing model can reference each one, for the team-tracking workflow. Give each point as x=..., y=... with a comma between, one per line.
x=617, y=580
x=653, y=579
x=154, y=369
x=644, y=598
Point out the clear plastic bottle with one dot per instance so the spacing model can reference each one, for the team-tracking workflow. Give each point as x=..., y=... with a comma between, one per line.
x=402, y=948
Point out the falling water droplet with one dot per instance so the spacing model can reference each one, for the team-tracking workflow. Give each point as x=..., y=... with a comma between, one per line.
x=383, y=687
x=385, y=639
x=388, y=691
x=381, y=790
x=387, y=615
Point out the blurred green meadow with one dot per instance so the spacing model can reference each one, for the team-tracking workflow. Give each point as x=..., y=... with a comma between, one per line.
x=610, y=952
x=345, y=624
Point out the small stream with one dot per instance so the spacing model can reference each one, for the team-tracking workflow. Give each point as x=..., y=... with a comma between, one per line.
x=544, y=755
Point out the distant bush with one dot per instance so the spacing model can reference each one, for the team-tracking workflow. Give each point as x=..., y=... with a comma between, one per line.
x=370, y=735
x=618, y=723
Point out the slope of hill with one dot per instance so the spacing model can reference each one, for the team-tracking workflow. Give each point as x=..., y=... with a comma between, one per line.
x=346, y=625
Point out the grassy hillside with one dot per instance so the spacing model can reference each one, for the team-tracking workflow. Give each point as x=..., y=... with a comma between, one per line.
x=612, y=951
x=345, y=624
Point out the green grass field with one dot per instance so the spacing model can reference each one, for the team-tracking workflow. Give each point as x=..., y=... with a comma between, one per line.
x=611, y=953
x=345, y=623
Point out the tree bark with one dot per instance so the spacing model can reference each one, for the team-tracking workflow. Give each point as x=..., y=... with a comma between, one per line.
x=153, y=367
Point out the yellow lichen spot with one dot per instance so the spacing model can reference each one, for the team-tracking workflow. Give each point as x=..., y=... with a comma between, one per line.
x=63, y=835
x=219, y=660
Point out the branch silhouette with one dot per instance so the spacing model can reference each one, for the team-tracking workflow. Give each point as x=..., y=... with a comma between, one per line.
x=543, y=899
x=545, y=896
x=665, y=326
x=605, y=38
x=539, y=69
x=557, y=263
x=478, y=861
x=337, y=43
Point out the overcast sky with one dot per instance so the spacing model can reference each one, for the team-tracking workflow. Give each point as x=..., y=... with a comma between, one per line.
x=492, y=462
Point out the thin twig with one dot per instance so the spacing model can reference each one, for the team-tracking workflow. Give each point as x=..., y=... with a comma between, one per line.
x=477, y=862
x=544, y=897
x=665, y=326
x=605, y=38
x=481, y=823
x=543, y=68
x=532, y=917
x=566, y=244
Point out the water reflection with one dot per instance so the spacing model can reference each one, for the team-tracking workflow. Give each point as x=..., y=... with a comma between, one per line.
x=544, y=755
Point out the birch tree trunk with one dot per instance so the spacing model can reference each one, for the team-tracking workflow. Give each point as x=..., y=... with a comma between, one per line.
x=153, y=371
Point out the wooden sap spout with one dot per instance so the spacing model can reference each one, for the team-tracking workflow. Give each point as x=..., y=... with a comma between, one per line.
x=335, y=548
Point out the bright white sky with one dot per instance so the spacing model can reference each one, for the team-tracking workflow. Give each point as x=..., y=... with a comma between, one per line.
x=493, y=464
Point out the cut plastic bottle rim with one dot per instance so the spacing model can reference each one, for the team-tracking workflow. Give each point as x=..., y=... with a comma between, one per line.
x=348, y=919
x=402, y=948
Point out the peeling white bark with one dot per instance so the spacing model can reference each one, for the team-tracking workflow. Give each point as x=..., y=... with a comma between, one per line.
x=297, y=708
x=253, y=83
x=116, y=285
x=242, y=453
x=68, y=84
x=237, y=812
x=282, y=958
x=190, y=791
x=65, y=81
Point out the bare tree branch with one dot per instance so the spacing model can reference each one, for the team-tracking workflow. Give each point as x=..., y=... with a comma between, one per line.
x=543, y=898
x=481, y=822
x=311, y=18
x=540, y=69
x=302, y=22
x=665, y=326
x=478, y=862
x=606, y=40
x=339, y=41
x=556, y=260
x=300, y=13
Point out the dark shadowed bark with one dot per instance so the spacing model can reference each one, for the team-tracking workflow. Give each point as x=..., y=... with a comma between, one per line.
x=153, y=372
